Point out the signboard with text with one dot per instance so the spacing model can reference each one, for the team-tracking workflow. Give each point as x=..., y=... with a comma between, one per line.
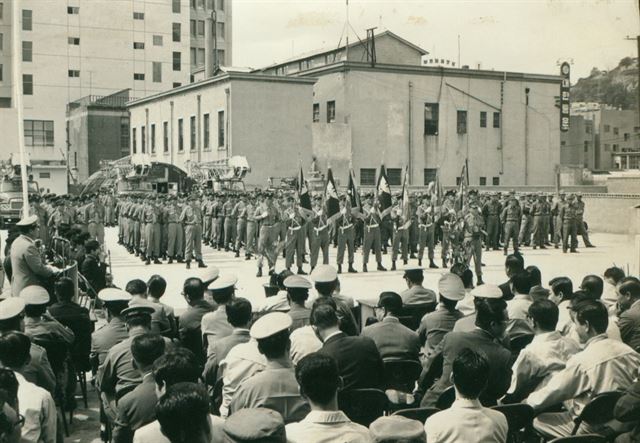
x=565, y=102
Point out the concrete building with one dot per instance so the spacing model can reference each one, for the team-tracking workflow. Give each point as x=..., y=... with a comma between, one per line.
x=74, y=49
x=577, y=146
x=395, y=111
x=200, y=11
x=98, y=129
x=262, y=117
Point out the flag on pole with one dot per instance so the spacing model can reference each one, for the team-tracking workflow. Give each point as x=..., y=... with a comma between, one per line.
x=383, y=192
x=406, y=208
x=464, y=183
x=304, y=199
x=331, y=201
x=352, y=192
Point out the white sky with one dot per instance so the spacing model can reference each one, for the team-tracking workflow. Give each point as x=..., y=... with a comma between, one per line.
x=515, y=35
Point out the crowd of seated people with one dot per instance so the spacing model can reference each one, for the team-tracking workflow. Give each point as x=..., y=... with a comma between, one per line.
x=313, y=371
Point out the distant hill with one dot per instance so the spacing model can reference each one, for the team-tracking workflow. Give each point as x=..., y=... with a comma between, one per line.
x=618, y=87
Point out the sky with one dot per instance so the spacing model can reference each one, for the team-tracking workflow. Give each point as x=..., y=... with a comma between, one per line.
x=513, y=35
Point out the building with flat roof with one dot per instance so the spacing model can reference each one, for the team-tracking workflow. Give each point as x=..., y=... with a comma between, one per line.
x=391, y=109
x=73, y=49
x=261, y=117
x=200, y=11
x=577, y=145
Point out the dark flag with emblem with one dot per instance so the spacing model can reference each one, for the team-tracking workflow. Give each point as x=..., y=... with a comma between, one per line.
x=383, y=192
x=352, y=192
x=331, y=201
x=464, y=184
x=303, y=196
x=406, y=205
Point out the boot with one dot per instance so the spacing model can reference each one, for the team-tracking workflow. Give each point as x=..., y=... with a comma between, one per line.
x=259, y=274
x=480, y=282
x=573, y=251
x=170, y=262
x=156, y=262
x=444, y=263
x=247, y=257
x=147, y=261
x=590, y=245
x=432, y=265
x=381, y=268
x=393, y=265
x=201, y=264
x=238, y=253
x=404, y=262
x=301, y=272
x=419, y=262
x=180, y=260
x=352, y=270
x=364, y=268
x=188, y=264
x=339, y=269
x=412, y=256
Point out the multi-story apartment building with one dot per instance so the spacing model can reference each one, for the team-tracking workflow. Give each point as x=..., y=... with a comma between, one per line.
x=76, y=48
x=200, y=11
x=577, y=145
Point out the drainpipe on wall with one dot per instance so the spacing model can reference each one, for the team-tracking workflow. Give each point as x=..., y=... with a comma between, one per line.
x=147, y=130
x=199, y=128
x=410, y=138
x=171, y=133
x=526, y=137
x=227, y=144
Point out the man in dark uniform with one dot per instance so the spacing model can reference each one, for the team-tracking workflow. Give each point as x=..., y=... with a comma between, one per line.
x=580, y=226
x=372, y=237
x=115, y=331
x=491, y=211
x=346, y=234
x=426, y=231
x=319, y=228
x=267, y=215
x=190, y=321
x=510, y=217
x=568, y=215
x=538, y=213
x=294, y=240
x=191, y=217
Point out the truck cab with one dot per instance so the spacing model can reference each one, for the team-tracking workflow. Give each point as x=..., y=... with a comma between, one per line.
x=11, y=199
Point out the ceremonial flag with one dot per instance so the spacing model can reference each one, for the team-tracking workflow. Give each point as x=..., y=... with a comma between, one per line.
x=352, y=191
x=383, y=192
x=406, y=209
x=303, y=196
x=439, y=194
x=331, y=201
x=464, y=183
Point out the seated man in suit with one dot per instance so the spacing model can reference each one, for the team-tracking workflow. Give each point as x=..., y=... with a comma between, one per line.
x=628, y=291
x=190, y=332
x=358, y=359
x=93, y=269
x=393, y=339
x=415, y=292
x=491, y=322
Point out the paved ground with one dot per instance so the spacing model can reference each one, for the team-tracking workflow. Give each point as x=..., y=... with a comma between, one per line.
x=611, y=249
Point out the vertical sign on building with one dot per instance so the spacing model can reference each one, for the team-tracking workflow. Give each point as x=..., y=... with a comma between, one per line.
x=565, y=105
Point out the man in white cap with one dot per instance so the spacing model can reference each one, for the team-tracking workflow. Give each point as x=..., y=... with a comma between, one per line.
x=214, y=324
x=326, y=280
x=297, y=294
x=38, y=324
x=26, y=262
x=115, y=301
x=276, y=387
x=435, y=325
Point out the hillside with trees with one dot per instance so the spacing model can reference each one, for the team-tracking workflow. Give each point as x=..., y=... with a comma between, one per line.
x=617, y=87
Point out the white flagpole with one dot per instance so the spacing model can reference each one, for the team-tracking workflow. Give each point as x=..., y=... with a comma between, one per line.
x=17, y=100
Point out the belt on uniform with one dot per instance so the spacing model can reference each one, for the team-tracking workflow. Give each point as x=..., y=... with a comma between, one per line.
x=425, y=226
x=295, y=229
x=192, y=224
x=320, y=229
x=267, y=226
x=344, y=228
x=372, y=226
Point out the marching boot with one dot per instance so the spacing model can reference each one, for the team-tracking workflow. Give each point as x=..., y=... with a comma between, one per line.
x=147, y=261
x=339, y=269
x=188, y=264
x=480, y=282
x=259, y=274
x=404, y=262
x=247, y=257
x=412, y=256
x=393, y=265
x=380, y=267
x=201, y=264
x=156, y=261
x=352, y=270
x=444, y=262
x=180, y=259
x=419, y=262
x=432, y=265
x=170, y=262
x=301, y=272
x=238, y=253
x=364, y=268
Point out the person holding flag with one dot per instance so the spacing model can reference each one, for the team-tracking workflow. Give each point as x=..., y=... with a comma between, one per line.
x=401, y=217
x=267, y=215
x=372, y=240
x=294, y=239
x=319, y=228
x=383, y=195
x=426, y=231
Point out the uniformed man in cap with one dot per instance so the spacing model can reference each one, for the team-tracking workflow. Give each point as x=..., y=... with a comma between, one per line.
x=401, y=225
x=175, y=232
x=295, y=235
x=473, y=230
x=251, y=230
x=372, y=239
x=491, y=211
x=115, y=331
x=214, y=325
x=569, y=229
x=346, y=235
x=230, y=215
x=275, y=387
x=426, y=231
x=319, y=229
x=580, y=225
x=240, y=210
x=298, y=293
x=538, y=213
x=191, y=218
x=38, y=324
x=95, y=218
x=27, y=261
x=267, y=215
x=510, y=218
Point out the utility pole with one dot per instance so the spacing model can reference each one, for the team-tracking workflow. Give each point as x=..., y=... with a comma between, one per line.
x=17, y=100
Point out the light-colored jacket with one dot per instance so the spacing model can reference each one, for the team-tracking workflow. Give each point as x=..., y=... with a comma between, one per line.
x=27, y=265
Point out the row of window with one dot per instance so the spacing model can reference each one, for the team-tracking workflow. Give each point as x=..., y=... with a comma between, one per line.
x=206, y=135
x=38, y=132
x=197, y=28
x=432, y=119
x=197, y=56
x=205, y=4
x=331, y=112
x=394, y=177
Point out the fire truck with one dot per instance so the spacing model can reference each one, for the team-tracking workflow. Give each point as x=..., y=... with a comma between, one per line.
x=223, y=174
x=11, y=191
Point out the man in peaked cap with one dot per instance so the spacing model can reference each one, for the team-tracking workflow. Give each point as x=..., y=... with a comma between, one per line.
x=297, y=288
x=115, y=331
x=435, y=325
x=38, y=324
x=276, y=387
x=214, y=325
x=26, y=262
x=255, y=425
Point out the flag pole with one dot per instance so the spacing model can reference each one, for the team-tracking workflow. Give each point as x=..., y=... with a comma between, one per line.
x=17, y=100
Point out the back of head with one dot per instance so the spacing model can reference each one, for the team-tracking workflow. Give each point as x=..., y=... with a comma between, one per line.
x=562, y=285
x=324, y=315
x=239, y=312
x=183, y=413
x=391, y=302
x=9, y=386
x=326, y=288
x=397, y=429
x=629, y=286
x=318, y=377
x=157, y=285
x=282, y=276
x=14, y=349
x=489, y=310
x=176, y=366
x=275, y=346
x=614, y=274
x=593, y=313
x=193, y=288
x=535, y=276
x=64, y=289
x=147, y=348
x=115, y=308
x=592, y=285
x=224, y=295
x=521, y=282
x=470, y=373
x=544, y=313
x=136, y=287
x=513, y=264
x=91, y=246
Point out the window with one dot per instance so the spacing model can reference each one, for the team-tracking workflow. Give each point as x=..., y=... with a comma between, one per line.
x=431, y=116
x=627, y=136
x=221, y=57
x=193, y=56
x=152, y=138
x=27, y=84
x=586, y=146
x=192, y=131
x=457, y=181
x=157, y=72
x=27, y=20
x=74, y=41
x=74, y=73
x=192, y=24
x=138, y=76
x=394, y=176
x=1, y=73
x=138, y=15
x=201, y=4
x=221, y=5
x=180, y=135
x=177, y=61
x=1, y=11
x=73, y=10
x=367, y=176
x=616, y=131
x=44, y=175
x=607, y=128
x=193, y=4
x=205, y=130
x=221, y=124
x=124, y=133
x=165, y=136
x=177, y=30
x=496, y=181
x=563, y=143
x=157, y=40
x=496, y=119
x=38, y=132
x=27, y=51
x=607, y=147
x=316, y=112
x=177, y=84
x=430, y=175
x=461, y=122
x=200, y=57
x=1, y=40
x=483, y=120
x=138, y=45
x=175, y=6
x=587, y=128
x=219, y=29
x=143, y=139
x=615, y=147
x=483, y=181
x=134, y=137
x=200, y=28
x=331, y=111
